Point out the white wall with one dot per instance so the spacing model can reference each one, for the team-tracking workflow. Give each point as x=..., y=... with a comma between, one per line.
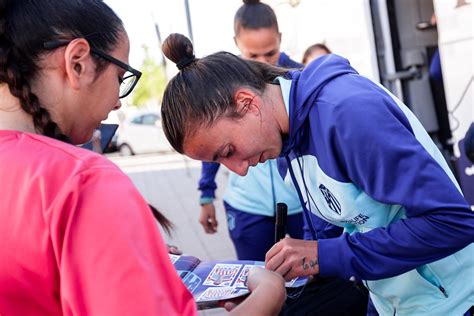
x=456, y=43
x=345, y=26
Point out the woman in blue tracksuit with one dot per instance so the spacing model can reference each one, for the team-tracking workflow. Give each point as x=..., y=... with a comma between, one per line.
x=250, y=200
x=358, y=158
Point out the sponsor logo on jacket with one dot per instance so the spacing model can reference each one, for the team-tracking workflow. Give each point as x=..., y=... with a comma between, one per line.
x=331, y=200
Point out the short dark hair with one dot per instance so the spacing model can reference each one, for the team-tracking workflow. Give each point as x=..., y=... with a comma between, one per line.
x=204, y=90
x=254, y=15
x=25, y=26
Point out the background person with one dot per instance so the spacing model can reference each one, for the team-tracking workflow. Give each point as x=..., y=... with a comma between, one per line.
x=77, y=237
x=314, y=51
x=358, y=158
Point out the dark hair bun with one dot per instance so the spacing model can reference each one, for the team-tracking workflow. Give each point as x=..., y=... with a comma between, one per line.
x=251, y=1
x=178, y=47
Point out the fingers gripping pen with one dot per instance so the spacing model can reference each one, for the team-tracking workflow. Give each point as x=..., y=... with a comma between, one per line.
x=280, y=221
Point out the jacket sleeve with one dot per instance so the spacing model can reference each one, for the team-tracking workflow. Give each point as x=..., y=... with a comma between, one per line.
x=376, y=145
x=207, y=182
x=111, y=257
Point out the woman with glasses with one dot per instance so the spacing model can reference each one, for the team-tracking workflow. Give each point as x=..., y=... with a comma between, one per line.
x=76, y=236
x=358, y=158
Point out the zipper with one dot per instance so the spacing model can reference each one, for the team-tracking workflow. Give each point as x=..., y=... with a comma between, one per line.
x=429, y=276
x=443, y=291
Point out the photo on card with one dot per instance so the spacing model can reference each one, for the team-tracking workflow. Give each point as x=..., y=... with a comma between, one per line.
x=222, y=274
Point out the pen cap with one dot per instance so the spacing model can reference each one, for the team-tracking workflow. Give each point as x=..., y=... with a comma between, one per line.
x=281, y=213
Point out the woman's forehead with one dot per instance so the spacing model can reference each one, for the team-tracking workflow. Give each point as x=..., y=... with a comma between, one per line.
x=207, y=139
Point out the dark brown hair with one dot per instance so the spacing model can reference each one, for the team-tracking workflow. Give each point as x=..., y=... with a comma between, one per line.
x=204, y=90
x=164, y=222
x=26, y=25
x=254, y=15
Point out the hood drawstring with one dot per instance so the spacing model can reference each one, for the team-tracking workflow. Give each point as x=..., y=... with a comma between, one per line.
x=306, y=213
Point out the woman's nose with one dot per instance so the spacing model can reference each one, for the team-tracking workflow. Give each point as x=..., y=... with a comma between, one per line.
x=118, y=105
x=262, y=60
x=239, y=167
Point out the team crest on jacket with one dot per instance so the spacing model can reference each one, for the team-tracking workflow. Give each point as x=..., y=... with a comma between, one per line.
x=331, y=200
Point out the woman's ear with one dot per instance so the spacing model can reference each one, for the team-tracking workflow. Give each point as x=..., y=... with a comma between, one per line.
x=246, y=101
x=78, y=60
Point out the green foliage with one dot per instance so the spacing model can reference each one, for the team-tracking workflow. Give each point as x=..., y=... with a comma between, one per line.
x=151, y=86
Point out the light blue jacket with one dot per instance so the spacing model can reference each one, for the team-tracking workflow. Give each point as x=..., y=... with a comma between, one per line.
x=256, y=193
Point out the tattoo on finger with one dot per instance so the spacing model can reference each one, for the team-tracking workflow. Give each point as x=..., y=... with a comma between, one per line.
x=309, y=264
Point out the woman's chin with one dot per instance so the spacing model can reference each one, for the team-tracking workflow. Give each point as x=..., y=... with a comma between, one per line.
x=81, y=139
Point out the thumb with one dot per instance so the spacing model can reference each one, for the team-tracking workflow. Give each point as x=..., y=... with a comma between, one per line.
x=229, y=306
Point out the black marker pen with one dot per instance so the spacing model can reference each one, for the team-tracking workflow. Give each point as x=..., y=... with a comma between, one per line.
x=280, y=221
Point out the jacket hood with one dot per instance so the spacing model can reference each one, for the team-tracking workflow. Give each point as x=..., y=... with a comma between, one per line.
x=305, y=89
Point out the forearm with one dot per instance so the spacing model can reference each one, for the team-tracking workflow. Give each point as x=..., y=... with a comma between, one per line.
x=263, y=301
x=403, y=246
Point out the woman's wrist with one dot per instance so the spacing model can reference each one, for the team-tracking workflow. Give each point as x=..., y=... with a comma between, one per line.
x=206, y=200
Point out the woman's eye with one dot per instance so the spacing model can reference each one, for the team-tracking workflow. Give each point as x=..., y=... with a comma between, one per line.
x=120, y=80
x=270, y=54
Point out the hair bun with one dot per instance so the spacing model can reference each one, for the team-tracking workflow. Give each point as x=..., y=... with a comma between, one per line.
x=185, y=62
x=179, y=49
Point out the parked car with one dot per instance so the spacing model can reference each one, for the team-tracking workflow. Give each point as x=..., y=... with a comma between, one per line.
x=142, y=133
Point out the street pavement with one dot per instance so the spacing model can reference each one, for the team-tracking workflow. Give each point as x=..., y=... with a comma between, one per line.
x=169, y=182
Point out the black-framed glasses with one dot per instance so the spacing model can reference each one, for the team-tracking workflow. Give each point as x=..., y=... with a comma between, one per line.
x=129, y=79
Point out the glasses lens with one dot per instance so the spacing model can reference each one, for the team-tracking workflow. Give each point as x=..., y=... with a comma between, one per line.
x=127, y=84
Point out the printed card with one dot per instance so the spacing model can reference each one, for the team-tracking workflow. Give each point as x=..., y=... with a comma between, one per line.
x=173, y=258
x=222, y=274
x=219, y=293
x=242, y=279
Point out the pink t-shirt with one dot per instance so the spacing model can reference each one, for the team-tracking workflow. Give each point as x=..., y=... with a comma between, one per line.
x=76, y=237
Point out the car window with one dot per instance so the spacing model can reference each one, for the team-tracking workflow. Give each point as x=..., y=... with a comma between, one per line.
x=149, y=119
x=137, y=120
